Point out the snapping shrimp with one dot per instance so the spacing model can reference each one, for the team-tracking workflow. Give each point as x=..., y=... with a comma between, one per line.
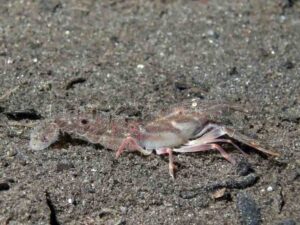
x=183, y=130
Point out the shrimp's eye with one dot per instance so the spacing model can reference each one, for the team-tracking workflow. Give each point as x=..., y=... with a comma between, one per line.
x=133, y=128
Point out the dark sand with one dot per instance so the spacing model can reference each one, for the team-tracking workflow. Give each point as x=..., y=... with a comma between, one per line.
x=133, y=58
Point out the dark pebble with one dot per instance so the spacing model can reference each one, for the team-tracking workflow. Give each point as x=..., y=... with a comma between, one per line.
x=248, y=210
x=22, y=161
x=240, y=183
x=288, y=65
x=233, y=71
x=4, y=186
x=30, y=114
x=287, y=222
x=287, y=3
x=197, y=92
x=50, y=5
x=232, y=183
x=129, y=111
x=105, y=212
x=243, y=168
x=64, y=166
x=71, y=83
x=114, y=39
x=180, y=86
x=189, y=194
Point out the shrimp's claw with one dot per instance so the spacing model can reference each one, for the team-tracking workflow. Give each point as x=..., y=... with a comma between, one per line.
x=131, y=144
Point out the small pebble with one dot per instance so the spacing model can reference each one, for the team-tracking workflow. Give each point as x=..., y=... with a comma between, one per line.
x=140, y=66
x=194, y=104
x=123, y=209
x=221, y=194
x=70, y=200
x=9, y=61
x=270, y=188
x=12, y=152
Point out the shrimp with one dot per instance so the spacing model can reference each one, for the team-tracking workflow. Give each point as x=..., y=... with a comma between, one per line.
x=182, y=130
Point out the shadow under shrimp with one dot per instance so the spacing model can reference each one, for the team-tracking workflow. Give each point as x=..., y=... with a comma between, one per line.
x=65, y=140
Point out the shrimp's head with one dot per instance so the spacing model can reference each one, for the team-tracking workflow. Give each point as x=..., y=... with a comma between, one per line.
x=134, y=130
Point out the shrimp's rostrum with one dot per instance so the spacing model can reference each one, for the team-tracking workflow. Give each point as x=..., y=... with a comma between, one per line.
x=182, y=130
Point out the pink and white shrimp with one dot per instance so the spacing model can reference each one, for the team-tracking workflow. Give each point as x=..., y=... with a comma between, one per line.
x=184, y=129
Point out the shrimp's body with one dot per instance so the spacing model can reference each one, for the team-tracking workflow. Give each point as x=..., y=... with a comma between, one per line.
x=183, y=130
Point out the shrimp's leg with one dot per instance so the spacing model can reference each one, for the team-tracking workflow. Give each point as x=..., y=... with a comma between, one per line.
x=248, y=141
x=168, y=151
x=217, y=131
x=131, y=144
x=206, y=147
x=211, y=134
